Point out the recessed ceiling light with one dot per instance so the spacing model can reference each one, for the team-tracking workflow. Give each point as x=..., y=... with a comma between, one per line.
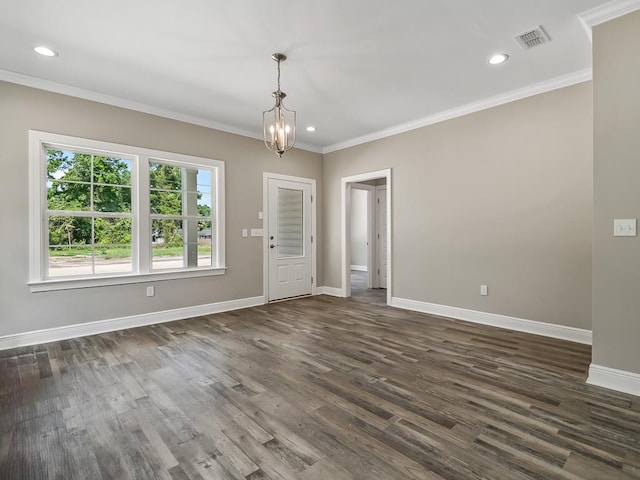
x=46, y=51
x=498, y=58
x=311, y=128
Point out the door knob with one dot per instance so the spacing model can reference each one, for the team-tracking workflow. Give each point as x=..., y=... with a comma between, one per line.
x=272, y=246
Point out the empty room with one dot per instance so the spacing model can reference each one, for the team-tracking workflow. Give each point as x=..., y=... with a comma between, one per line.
x=278, y=240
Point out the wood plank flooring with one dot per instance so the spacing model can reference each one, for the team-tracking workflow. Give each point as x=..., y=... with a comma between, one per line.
x=310, y=389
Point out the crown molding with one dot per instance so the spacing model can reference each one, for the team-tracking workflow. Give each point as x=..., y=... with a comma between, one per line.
x=608, y=11
x=507, y=97
x=542, y=87
x=55, y=87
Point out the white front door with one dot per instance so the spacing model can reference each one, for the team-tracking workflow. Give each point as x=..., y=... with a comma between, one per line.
x=289, y=239
x=381, y=203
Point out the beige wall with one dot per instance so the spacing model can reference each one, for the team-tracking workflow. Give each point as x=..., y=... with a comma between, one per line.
x=23, y=108
x=500, y=197
x=616, y=261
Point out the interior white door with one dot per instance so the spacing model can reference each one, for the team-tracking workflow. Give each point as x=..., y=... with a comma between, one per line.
x=381, y=204
x=289, y=239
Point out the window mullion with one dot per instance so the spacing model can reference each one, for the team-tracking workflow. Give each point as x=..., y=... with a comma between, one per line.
x=93, y=219
x=142, y=221
x=93, y=237
x=218, y=213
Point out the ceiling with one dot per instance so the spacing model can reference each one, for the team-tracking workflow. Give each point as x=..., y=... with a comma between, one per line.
x=355, y=70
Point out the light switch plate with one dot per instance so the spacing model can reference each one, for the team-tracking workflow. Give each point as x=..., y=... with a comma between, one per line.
x=624, y=227
x=256, y=232
x=244, y=232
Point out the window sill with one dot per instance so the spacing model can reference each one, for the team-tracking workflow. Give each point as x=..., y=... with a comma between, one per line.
x=74, y=283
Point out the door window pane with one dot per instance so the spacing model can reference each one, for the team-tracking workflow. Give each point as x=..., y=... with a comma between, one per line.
x=290, y=223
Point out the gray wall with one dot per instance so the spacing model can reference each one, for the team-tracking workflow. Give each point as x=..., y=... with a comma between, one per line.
x=616, y=260
x=359, y=234
x=500, y=197
x=23, y=108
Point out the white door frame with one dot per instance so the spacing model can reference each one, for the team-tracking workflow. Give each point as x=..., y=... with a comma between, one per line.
x=345, y=190
x=377, y=230
x=266, y=176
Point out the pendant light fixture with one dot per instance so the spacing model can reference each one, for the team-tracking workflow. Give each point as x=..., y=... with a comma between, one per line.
x=279, y=123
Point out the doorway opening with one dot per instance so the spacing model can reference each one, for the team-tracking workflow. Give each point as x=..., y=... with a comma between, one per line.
x=366, y=236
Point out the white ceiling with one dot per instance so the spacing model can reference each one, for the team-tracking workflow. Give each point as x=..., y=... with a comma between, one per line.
x=355, y=67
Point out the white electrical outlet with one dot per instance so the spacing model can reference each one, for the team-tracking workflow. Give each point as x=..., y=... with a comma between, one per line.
x=151, y=291
x=484, y=290
x=624, y=227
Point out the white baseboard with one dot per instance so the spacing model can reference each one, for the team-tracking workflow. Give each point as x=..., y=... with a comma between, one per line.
x=332, y=291
x=614, y=379
x=359, y=268
x=110, y=325
x=562, y=332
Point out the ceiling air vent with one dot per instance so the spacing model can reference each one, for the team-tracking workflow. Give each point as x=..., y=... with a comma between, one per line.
x=534, y=37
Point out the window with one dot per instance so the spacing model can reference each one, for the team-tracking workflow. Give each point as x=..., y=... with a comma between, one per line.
x=181, y=216
x=108, y=214
x=88, y=216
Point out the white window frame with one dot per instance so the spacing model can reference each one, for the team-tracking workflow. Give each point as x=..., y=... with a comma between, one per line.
x=140, y=206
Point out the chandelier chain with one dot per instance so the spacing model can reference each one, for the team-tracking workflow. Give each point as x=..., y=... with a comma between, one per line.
x=278, y=75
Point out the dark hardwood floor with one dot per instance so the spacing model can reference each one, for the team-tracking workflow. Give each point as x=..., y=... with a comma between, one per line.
x=360, y=292
x=313, y=388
